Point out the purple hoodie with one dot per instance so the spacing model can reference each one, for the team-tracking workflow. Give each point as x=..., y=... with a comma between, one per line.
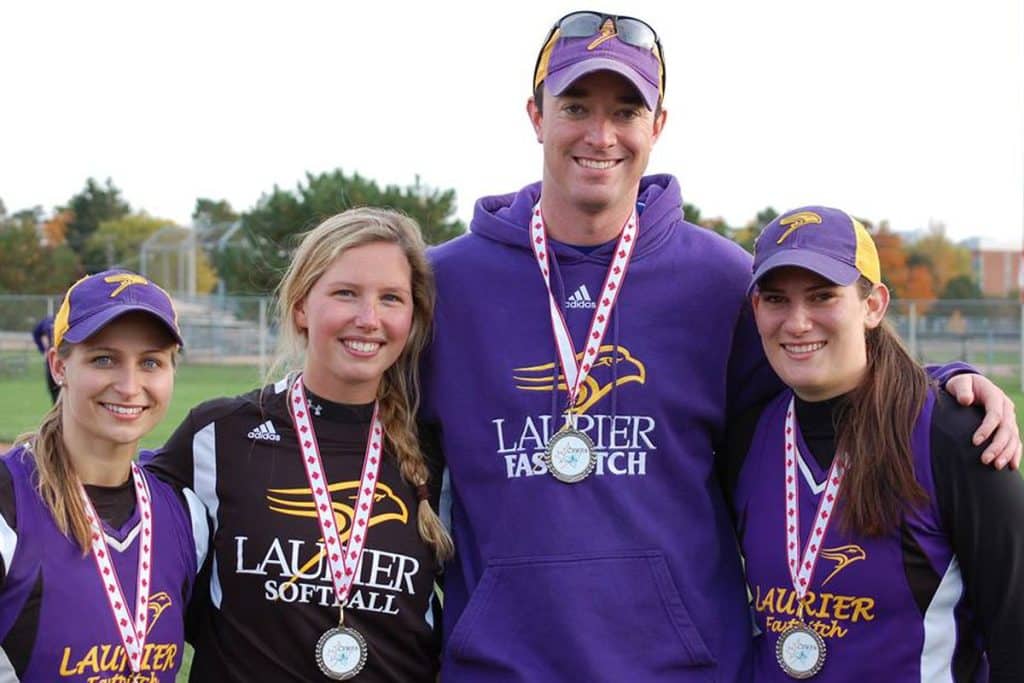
x=633, y=573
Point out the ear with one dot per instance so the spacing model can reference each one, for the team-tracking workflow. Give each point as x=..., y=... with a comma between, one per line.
x=299, y=316
x=533, y=111
x=58, y=366
x=659, y=124
x=877, y=303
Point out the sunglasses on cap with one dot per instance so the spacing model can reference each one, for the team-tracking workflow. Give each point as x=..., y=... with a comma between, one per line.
x=629, y=30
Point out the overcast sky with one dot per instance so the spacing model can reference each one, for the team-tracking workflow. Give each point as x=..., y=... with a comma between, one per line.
x=908, y=110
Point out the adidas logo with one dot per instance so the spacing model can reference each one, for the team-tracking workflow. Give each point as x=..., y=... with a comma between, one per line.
x=265, y=432
x=580, y=299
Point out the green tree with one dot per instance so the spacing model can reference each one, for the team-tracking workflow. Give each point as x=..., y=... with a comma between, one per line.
x=116, y=242
x=253, y=262
x=93, y=205
x=28, y=267
x=691, y=214
x=961, y=287
x=941, y=256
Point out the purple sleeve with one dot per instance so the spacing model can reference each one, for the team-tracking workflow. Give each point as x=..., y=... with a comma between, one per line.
x=751, y=380
x=943, y=373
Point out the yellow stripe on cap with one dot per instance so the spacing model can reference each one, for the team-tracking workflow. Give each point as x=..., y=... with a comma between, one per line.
x=867, y=254
x=545, y=59
x=62, y=321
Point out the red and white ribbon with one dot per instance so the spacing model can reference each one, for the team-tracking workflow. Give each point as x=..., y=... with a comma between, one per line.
x=342, y=559
x=577, y=371
x=133, y=630
x=801, y=570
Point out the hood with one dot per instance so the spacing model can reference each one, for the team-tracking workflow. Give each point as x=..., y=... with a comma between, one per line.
x=506, y=218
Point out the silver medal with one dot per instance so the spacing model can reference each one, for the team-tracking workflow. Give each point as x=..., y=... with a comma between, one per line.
x=570, y=456
x=341, y=653
x=800, y=651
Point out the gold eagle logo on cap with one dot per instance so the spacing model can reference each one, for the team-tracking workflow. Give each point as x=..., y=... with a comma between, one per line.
x=797, y=220
x=124, y=281
x=608, y=32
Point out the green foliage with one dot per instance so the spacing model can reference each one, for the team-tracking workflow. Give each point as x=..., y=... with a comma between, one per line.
x=254, y=262
x=116, y=242
x=93, y=205
x=961, y=287
x=213, y=211
x=28, y=267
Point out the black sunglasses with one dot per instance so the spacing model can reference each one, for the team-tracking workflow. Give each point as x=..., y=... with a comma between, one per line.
x=629, y=30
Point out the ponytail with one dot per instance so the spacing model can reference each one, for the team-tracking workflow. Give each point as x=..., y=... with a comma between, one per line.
x=57, y=482
x=874, y=432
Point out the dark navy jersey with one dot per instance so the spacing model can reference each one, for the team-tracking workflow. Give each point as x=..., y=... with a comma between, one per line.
x=56, y=623
x=940, y=598
x=269, y=595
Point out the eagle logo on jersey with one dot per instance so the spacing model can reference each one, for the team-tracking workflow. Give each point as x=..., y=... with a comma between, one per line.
x=614, y=363
x=158, y=603
x=124, y=281
x=298, y=502
x=843, y=556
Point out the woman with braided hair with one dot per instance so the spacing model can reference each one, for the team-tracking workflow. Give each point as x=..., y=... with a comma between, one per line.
x=325, y=544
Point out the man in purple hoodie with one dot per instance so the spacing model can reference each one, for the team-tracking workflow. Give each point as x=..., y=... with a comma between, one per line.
x=591, y=349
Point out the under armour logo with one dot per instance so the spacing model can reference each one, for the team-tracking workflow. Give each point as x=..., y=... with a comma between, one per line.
x=316, y=409
x=124, y=281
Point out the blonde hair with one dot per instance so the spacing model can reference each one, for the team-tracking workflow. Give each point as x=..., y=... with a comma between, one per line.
x=57, y=482
x=398, y=393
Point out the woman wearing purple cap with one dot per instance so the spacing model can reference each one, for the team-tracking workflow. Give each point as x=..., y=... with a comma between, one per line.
x=877, y=545
x=97, y=558
x=325, y=546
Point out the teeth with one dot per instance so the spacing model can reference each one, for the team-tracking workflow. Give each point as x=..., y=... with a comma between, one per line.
x=803, y=348
x=597, y=163
x=122, y=410
x=362, y=346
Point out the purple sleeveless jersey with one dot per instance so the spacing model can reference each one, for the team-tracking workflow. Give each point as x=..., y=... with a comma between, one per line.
x=888, y=608
x=50, y=583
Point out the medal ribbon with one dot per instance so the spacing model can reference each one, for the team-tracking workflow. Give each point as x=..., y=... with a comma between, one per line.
x=577, y=371
x=801, y=570
x=133, y=631
x=342, y=561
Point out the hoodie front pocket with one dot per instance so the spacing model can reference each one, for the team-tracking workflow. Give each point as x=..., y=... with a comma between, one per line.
x=602, y=616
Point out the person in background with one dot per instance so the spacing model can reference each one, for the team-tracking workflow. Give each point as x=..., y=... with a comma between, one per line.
x=592, y=350
x=98, y=558
x=877, y=546
x=325, y=544
x=42, y=335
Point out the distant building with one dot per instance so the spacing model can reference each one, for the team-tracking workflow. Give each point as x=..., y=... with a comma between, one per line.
x=996, y=266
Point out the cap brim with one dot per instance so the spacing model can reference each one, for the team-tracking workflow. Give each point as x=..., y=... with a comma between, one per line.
x=83, y=329
x=829, y=268
x=558, y=81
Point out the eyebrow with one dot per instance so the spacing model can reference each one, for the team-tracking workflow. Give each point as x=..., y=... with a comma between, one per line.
x=575, y=91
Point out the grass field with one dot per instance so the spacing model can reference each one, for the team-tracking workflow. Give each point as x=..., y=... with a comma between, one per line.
x=24, y=399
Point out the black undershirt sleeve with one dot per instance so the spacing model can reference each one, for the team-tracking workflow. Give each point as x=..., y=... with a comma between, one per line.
x=173, y=462
x=7, y=509
x=983, y=510
x=738, y=438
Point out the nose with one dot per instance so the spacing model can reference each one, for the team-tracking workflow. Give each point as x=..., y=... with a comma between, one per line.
x=128, y=381
x=797, y=321
x=367, y=317
x=600, y=132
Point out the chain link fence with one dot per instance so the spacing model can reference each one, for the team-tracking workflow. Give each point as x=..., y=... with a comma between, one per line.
x=239, y=330
x=222, y=330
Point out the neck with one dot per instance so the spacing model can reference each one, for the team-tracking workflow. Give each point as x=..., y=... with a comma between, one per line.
x=338, y=392
x=97, y=465
x=575, y=226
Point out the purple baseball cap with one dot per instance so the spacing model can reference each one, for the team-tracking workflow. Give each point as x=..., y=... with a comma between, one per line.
x=563, y=61
x=826, y=241
x=95, y=300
